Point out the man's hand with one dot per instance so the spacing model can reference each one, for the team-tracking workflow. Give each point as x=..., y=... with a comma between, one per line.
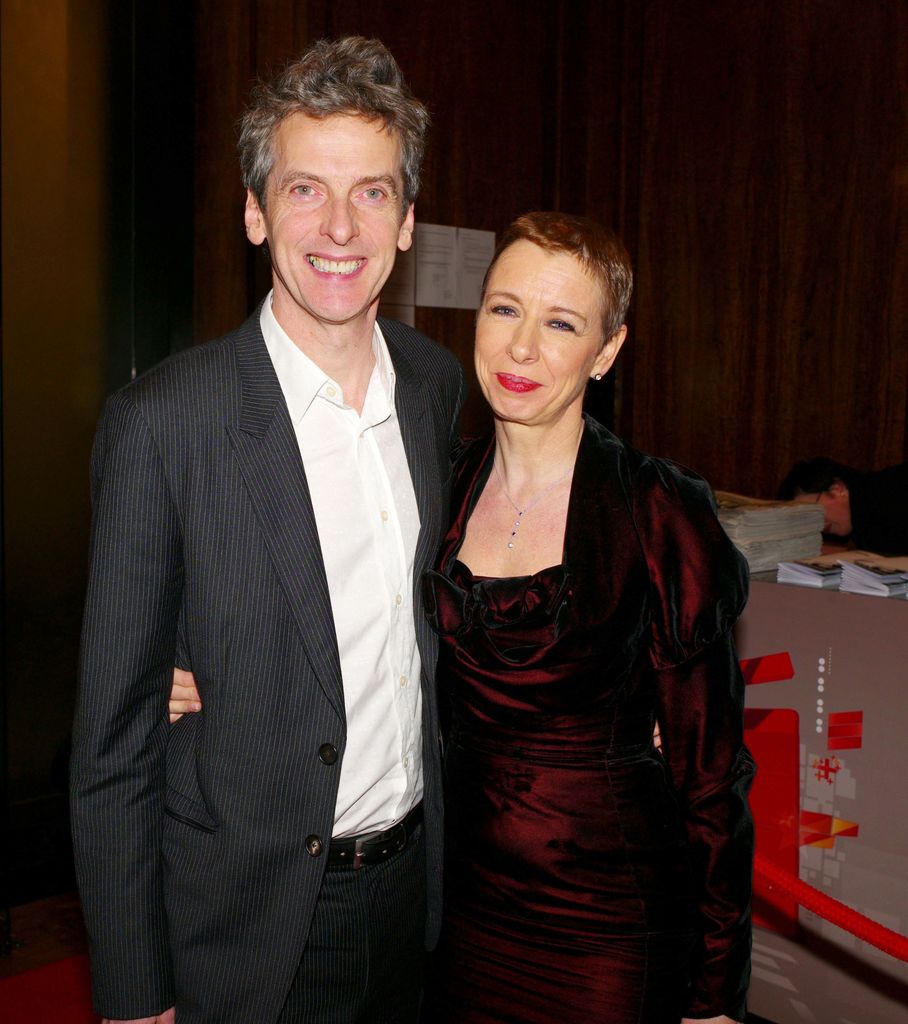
x=167, y=1017
x=184, y=697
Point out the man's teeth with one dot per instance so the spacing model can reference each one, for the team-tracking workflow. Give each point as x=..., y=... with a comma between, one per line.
x=335, y=266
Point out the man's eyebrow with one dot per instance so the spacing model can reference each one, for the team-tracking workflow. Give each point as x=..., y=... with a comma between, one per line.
x=377, y=179
x=293, y=175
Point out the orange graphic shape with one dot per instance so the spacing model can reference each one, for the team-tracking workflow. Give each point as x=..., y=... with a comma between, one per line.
x=823, y=829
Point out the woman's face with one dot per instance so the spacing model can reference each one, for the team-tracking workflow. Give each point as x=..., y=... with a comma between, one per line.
x=539, y=336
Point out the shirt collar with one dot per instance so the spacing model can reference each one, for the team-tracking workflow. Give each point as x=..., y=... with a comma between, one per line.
x=302, y=380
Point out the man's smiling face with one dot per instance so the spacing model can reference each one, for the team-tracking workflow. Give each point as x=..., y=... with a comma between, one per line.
x=332, y=218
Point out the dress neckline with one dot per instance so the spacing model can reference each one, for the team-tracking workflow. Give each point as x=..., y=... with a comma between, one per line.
x=480, y=480
x=549, y=570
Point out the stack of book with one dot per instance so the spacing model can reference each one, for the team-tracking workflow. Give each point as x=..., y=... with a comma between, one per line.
x=811, y=573
x=875, y=578
x=769, y=532
x=857, y=572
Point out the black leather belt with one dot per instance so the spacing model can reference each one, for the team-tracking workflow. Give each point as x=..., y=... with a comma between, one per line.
x=374, y=847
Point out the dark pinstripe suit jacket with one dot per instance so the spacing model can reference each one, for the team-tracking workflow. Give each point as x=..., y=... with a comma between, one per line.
x=189, y=841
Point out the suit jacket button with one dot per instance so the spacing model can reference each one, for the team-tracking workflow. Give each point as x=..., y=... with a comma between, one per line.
x=314, y=846
x=327, y=753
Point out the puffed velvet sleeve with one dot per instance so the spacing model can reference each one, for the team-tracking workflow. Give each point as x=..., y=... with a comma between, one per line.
x=698, y=589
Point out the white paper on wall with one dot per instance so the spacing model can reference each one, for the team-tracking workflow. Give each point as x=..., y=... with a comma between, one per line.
x=436, y=265
x=474, y=254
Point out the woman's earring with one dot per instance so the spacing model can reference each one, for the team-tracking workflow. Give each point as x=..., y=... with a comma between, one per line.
x=597, y=376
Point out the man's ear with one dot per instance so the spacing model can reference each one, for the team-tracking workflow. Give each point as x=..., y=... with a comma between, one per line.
x=838, y=488
x=405, y=235
x=254, y=219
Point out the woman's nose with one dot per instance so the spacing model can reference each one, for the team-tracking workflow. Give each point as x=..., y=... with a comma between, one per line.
x=523, y=346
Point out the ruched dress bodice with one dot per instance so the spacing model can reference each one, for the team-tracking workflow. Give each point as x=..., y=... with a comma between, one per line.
x=573, y=883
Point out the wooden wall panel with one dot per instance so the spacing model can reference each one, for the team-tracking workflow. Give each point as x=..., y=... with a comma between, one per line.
x=771, y=311
x=598, y=146
x=224, y=71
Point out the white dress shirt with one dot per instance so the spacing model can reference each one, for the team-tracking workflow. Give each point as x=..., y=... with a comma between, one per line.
x=368, y=524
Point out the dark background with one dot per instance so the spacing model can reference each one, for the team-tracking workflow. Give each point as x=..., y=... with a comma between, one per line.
x=752, y=153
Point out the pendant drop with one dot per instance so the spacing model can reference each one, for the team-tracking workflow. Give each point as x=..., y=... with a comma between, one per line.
x=516, y=528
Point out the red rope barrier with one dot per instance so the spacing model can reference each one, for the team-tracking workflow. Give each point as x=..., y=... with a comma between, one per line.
x=832, y=910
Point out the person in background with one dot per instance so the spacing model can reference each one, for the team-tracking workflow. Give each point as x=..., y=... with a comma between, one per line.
x=868, y=509
x=273, y=498
x=583, y=592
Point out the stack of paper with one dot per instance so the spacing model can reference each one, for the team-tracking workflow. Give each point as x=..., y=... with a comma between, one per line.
x=811, y=573
x=857, y=572
x=769, y=532
x=874, y=575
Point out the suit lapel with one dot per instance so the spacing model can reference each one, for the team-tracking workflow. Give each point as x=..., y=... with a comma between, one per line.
x=410, y=403
x=268, y=455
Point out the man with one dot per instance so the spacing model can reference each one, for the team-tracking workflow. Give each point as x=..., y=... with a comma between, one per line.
x=871, y=509
x=275, y=496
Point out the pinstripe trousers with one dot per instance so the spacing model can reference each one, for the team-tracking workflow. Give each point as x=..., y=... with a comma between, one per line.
x=365, y=955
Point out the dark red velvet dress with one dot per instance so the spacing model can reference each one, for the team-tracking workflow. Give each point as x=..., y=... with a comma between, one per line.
x=589, y=879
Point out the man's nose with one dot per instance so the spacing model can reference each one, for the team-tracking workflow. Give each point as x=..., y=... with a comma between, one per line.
x=339, y=222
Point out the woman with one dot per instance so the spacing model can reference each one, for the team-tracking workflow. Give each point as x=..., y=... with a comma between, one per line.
x=583, y=593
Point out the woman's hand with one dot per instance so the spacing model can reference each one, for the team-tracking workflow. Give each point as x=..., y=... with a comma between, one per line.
x=167, y=1017
x=708, y=1020
x=184, y=697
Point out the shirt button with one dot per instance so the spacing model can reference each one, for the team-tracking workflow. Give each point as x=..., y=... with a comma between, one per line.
x=330, y=391
x=398, y=599
x=403, y=681
x=327, y=753
x=314, y=845
x=384, y=516
x=406, y=762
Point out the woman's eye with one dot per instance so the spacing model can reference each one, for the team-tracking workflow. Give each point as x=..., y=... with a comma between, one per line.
x=562, y=325
x=503, y=310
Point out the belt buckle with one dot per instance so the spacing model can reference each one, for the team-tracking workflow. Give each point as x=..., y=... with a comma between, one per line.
x=358, y=852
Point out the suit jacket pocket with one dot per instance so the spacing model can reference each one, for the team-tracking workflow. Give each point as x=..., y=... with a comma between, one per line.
x=189, y=812
x=184, y=798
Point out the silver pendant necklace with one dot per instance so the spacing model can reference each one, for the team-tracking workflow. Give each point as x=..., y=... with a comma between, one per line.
x=521, y=512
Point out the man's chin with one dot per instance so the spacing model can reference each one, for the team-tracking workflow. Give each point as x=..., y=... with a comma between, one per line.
x=329, y=316
x=342, y=313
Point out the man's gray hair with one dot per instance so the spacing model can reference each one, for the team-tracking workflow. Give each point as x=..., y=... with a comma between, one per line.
x=352, y=75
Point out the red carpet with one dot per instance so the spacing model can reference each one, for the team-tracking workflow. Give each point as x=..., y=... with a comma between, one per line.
x=56, y=994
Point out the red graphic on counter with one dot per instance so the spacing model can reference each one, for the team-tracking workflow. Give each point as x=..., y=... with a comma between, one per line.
x=823, y=829
x=770, y=668
x=845, y=730
x=773, y=738
x=825, y=768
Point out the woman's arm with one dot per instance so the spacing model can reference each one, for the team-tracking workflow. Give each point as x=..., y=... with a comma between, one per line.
x=700, y=711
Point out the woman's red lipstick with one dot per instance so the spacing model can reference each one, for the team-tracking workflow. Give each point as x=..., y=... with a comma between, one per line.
x=518, y=384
